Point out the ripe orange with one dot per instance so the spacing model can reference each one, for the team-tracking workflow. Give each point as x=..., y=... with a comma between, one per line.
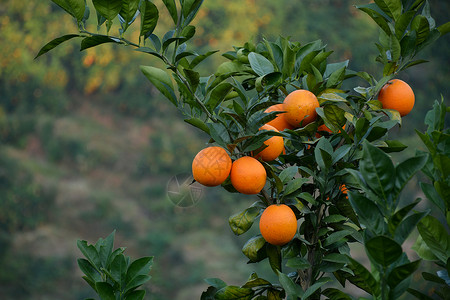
x=300, y=107
x=248, y=175
x=278, y=224
x=211, y=166
x=275, y=145
x=279, y=122
x=397, y=95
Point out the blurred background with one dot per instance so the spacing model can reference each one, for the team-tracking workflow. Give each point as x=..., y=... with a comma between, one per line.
x=87, y=145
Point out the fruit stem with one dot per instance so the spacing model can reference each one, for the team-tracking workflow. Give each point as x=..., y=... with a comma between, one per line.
x=266, y=198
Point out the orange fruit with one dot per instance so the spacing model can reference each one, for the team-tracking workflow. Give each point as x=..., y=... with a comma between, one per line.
x=397, y=95
x=211, y=166
x=300, y=107
x=248, y=175
x=278, y=224
x=279, y=122
x=275, y=145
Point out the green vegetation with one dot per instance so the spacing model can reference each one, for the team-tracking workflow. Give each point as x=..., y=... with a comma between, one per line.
x=88, y=146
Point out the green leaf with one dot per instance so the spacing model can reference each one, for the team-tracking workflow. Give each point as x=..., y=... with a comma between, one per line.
x=393, y=146
x=200, y=58
x=423, y=250
x=402, y=272
x=252, y=246
x=216, y=282
x=136, y=295
x=383, y=250
x=255, y=281
x=196, y=122
x=399, y=215
x=405, y=228
x=108, y=8
x=128, y=11
x=241, y=222
x=444, y=28
x=432, y=195
x=421, y=26
x=96, y=40
x=367, y=211
x=419, y=295
x=75, y=8
x=54, y=43
x=336, y=77
x=377, y=17
x=298, y=263
x=105, y=291
x=261, y=65
x=274, y=255
x=90, y=253
x=119, y=269
x=294, y=185
x=292, y=290
x=218, y=94
x=149, y=17
x=172, y=8
x=234, y=292
x=87, y=268
x=363, y=278
x=377, y=170
x=334, y=117
x=313, y=288
x=161, y=80
x=190, y=9
x=335, y=294
x=403, y=22
x=336, y=237
x=288, y=174
x=436, y=237
x=140, y=266
x=105, y=247
x=136, y=282
x=406, y=170
x=392, y=8
x=336, y=258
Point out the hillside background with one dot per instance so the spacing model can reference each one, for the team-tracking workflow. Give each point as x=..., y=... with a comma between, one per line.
x=87, y=145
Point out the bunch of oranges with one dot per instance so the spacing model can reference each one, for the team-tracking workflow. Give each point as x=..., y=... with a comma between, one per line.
x=278, y=223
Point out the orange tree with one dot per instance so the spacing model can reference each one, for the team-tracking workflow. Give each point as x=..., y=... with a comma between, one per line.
x=307, y=179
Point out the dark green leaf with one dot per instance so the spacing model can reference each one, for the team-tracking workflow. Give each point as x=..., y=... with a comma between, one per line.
x=383, y=250
x=252, y=246
x=200, y=58
x=393, y=146
x=335, y=294
x=433, y=278
x=136, y=282
x=363, y=278
x=392, y=8
x=419, y=295
x=196, y=122
x=149, y=17
x=261, y=65
x=336, y=258
x=218, y=94
x=336, y=237
x=190, y=9
x=149, y=51
x=403, y=22
x=119, y=269
x=140, y=266
x=368, y=212
x=298, y=263
x=422, y=28
x=241, y=222
x=75, y=8
x=377, y=17
x=274, y=255
x=90, y=253
x=108, y=8
x=436, y=237
x=105, y=291
x=87, y=268
x=313, y=288
x=405, y=228
x=406, y=170
x=172, y=8
x=292, y=290
x=377, y=170
x=96, y=40
x=399, y=215
x=288, y=174
x=432, y=195
x=216, y=282
x=294, y=185
x=161, y=80
x=400, y=273
x=444, y=28
x=54, y=43
x=128, y=11
x=234, y=292
x=136, y=295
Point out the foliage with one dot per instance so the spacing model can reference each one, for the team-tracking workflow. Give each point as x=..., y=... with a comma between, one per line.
x=229, y=106
x=112, y=274
x=433, y=242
